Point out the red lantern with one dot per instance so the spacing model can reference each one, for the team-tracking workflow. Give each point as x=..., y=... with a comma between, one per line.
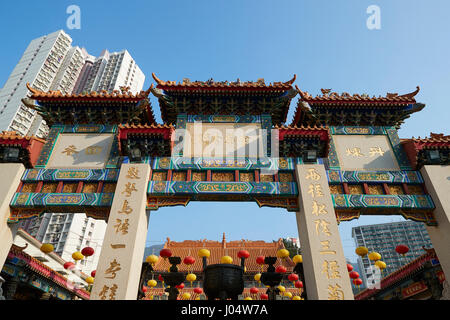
x=198, y=290
x=281, y=269
x=93, y=273
x=87, y=252
x=264, y=296
x=349, y=267
x=354, y=275
x=254, y=290
x=180, y=286
x=243, y=254
x=260, y=260
x=189, y=260
x=357, y=282
x=402, y=249
x=293, y=277
x=144, y=289
x=298, y=284
x=160, y=278
x=165, y=253
x=69, y=265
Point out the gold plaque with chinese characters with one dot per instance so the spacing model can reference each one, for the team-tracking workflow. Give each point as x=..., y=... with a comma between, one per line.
x=211, y=140
x=364, y=152
x=75, y=150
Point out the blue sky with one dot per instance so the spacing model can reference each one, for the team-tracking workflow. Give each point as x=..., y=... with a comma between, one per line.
x=326, y=43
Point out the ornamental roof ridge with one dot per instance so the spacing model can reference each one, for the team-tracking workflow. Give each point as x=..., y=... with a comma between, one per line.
x=308, y=127
x=16, y=250
x=434, y=137
x=13, y=135
x=146, y=126
x=400, y=273
x=260, y=83
x=328, y=96
x=233, y=243
x=115, y=94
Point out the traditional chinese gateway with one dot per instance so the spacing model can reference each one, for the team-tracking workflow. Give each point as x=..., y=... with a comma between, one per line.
x=340, y=157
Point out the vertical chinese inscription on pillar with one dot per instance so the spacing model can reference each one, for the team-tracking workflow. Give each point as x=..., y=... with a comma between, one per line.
x=326, y=250
x=119, y=247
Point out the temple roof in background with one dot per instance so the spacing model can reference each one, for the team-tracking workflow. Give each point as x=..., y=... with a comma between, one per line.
x=218, y=249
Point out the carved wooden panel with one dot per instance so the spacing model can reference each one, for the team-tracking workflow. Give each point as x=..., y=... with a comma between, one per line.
x=286, y=177
x=159, y=176
x=266, y=178
x=29, y=187
x=355, y=189
x=375, y=189
x=90, y=187
x=396, y=189
x=70, y=187
x=247, y=176
x=415, y=189
x=198, y=176
x=109, y=188
x=336, y=189
x=179, y=176
x=223, y=176
x=49, y=187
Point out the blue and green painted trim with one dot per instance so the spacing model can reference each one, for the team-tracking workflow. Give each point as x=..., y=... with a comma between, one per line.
x=61, y=199
x=94, y=175
x=359, y=201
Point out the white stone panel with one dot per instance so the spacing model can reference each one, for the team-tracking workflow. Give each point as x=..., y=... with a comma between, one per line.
x=364, y=152
x=78, y=150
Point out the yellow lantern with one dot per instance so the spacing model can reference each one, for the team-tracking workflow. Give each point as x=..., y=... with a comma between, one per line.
x=152, y=259
x=380, y=264
x=191, y=278
x=151, y=297
x=374, y=256
x=257, y=277
x=89, y=280
x=152, y=283
x=288, y=294
x=281, y=288
x=248, y=298
x=47, y=248
x=296, y=298
x=198, y=298
x=77, y=256
x=186, y=296
x=226, y=260
x=245, y=269
x=298, y=258
x=361, y=251
x=204, y=253
x=282, y=253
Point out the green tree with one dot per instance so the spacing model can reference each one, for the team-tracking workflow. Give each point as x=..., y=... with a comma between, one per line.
x=291, y=247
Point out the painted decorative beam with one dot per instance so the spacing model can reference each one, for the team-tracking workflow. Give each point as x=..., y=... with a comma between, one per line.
x=224, y=188
x=337, y=176
x=70, y=175
x=353, y=201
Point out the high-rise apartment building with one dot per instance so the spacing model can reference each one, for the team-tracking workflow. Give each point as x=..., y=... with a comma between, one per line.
x=39, y=66
x=384, y=238
x=51, y=63
x=69, y=233
x=69, y=71
x=84, y=74
x=111, y=71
